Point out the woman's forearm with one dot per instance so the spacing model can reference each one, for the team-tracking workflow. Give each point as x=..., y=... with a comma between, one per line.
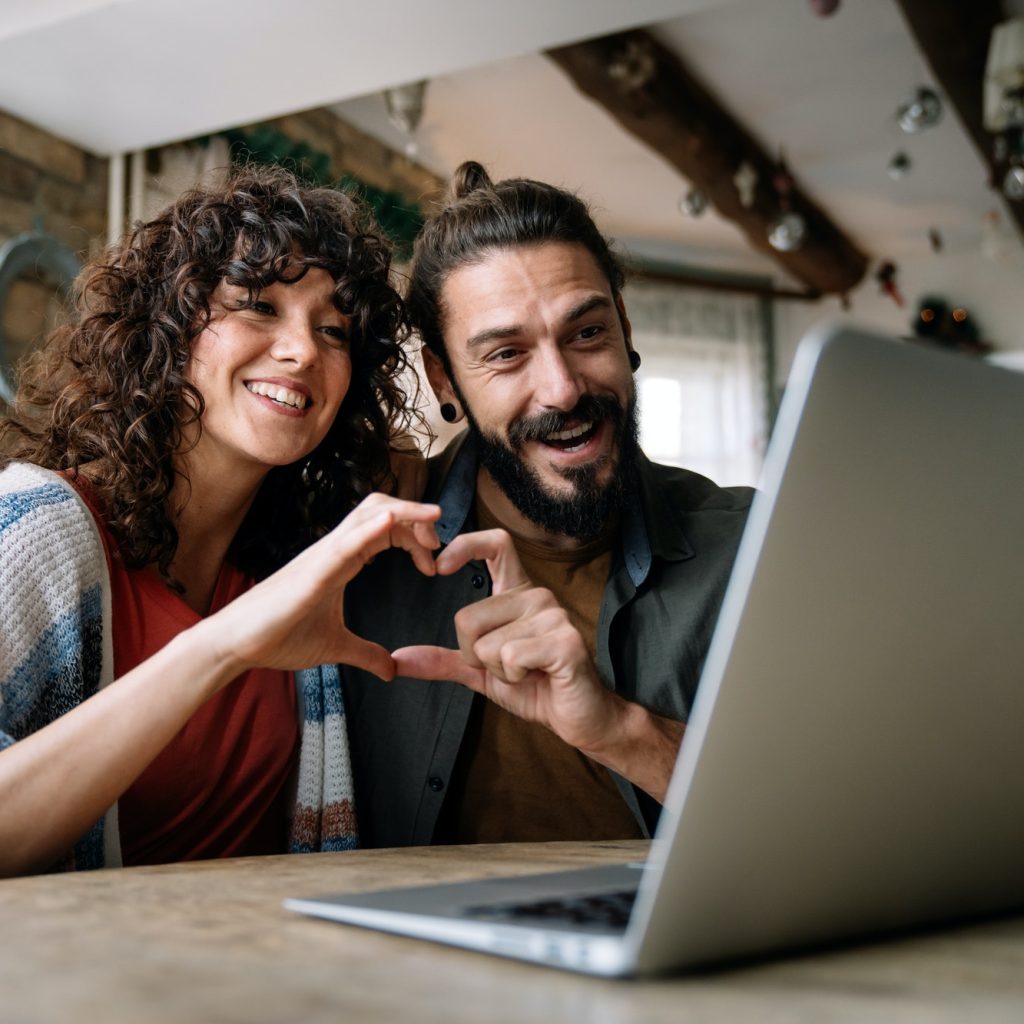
x=57, y=782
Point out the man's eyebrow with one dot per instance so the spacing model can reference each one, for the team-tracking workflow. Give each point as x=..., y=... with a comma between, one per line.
x=587, y=306
x=493, y=334
x=514, y=330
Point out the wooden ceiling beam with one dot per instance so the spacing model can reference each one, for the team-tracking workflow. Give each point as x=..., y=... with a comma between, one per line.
x=649, y=91
x=736, y=285
x=954, y=39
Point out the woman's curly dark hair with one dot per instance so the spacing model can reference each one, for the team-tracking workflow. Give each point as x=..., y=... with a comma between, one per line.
x=110, y=389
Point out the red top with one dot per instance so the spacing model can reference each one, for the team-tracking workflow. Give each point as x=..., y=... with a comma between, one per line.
x=220, y=787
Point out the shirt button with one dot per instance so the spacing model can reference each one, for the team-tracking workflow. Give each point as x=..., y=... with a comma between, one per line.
x=478, y=580
x=435, y=783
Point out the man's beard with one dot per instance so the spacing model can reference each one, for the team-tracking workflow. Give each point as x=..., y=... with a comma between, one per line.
x=588, y=509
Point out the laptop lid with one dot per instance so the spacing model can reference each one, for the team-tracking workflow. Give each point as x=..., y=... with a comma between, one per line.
x=853, y=762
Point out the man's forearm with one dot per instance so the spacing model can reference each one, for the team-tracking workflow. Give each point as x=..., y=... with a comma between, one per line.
x=642, y=747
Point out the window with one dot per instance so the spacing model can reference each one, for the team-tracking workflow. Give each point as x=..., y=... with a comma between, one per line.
x=703, y=385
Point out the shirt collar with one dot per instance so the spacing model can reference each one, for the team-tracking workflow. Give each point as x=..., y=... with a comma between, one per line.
x=459, y=488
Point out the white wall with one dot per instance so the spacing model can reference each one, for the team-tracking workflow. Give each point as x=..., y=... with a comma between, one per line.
x=992, y=292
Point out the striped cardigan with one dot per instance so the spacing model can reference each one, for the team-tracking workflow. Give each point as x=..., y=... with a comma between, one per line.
x=56, y=650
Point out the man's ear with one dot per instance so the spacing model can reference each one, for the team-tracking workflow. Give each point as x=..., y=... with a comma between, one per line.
x=439, y=382
x=441, y=386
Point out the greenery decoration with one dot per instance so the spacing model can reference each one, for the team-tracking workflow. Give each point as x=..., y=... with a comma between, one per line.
x=399, y=217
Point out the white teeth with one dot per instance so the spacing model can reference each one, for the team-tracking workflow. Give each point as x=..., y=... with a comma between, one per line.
x=283, y=395
x=568, y=435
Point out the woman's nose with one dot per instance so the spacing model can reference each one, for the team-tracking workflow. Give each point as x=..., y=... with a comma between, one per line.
x=295, y=342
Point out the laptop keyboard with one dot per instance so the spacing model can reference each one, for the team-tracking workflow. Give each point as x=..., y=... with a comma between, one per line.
x=610, y=909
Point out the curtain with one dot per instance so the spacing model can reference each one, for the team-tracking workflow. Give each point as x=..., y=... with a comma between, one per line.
x=703, y=385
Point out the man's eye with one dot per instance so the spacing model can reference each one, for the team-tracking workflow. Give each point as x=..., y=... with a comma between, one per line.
x=590, y=332
x=504, y=355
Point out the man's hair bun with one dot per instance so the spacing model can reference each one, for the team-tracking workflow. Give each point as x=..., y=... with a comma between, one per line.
x=468, y=177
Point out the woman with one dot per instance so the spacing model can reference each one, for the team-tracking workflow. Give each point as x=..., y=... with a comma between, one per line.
x=222, y=399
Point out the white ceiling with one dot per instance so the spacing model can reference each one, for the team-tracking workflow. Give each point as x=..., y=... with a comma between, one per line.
x=117, y=75
x=823, y=89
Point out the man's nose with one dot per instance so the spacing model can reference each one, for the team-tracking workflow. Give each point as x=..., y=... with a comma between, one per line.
x=557, y=384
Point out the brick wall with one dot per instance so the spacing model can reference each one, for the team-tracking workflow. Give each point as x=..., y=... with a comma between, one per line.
x=49, y=184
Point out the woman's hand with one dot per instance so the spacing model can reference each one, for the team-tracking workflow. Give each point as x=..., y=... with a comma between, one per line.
x=295, y=618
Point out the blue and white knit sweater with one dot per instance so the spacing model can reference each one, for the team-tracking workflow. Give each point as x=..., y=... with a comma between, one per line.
x=56, y=650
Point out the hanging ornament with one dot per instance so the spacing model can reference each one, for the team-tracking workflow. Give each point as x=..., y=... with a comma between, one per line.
x=1008, y=150
x=931, y=316
x=1003, y=95
x=789, y=230
x=745, y=179
x=1013, y=183
x=995, y=244
x=633, y=66
x=782, y=182
x=405, y=109
x=693, y=203
x=823, y=8
x=919, y=113
x=886, y=278
x=899, y=166
x=935, y=240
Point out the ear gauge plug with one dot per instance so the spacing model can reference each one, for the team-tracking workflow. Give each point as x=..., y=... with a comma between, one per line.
x=634, y=361
x=448, y=412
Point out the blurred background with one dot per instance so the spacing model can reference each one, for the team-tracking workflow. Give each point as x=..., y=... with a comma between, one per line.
x=763, y=165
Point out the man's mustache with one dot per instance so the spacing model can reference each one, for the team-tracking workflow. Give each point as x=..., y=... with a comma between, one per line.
x=593, y=408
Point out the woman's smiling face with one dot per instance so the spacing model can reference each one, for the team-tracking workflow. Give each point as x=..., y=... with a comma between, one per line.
x=273, y=372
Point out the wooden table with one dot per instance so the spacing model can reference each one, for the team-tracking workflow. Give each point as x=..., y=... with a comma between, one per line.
x=209, y=942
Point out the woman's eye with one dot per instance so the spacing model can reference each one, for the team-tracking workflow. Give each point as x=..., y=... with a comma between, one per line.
x=338, y=334
x=254, y=306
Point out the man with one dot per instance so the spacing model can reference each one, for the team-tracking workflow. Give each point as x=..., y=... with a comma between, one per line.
x=545, y=673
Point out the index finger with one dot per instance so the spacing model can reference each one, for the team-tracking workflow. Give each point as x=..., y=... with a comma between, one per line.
x=404, y=510
x=495, y=547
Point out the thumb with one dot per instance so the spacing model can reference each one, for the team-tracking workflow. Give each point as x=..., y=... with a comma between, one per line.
x=437, y=663
x=370, y=657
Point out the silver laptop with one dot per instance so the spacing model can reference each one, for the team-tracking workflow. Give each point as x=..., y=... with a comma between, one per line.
x=854, y=761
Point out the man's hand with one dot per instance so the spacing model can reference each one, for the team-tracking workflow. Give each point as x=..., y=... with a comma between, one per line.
x=519, y=649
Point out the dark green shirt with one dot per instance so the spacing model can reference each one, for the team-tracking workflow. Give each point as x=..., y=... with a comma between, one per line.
x=668, y=575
